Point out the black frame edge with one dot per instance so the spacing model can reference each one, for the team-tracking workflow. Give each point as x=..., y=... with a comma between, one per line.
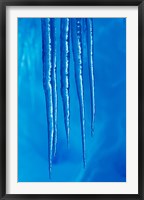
x=2, y=100
x=141, y=98
x=3, y=4
x=72, y=196
x=72, y=2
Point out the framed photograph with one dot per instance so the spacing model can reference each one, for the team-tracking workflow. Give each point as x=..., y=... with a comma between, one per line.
x=71, y=99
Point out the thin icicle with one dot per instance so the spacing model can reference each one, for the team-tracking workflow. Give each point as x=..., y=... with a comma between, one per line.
x=54, y=79
x=65, y=54
x=47, y=84
x=90, y=50
x=77, y=53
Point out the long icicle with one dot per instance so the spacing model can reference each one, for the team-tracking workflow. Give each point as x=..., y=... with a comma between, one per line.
x=90, y=50
x=65, y=54
x=77, y=53
x=47, y=84
x=54, y=80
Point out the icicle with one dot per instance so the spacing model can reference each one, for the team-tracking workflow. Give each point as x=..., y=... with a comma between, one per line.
x=54, y=79
x=91, y=69
x=65, y=73
x=77, y=53
x=84, y=25
x=47, y=84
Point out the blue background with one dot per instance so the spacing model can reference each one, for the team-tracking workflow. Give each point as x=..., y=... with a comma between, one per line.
x=106, y=151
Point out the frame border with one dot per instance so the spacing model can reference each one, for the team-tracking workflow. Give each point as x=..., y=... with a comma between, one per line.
x=3, y=5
